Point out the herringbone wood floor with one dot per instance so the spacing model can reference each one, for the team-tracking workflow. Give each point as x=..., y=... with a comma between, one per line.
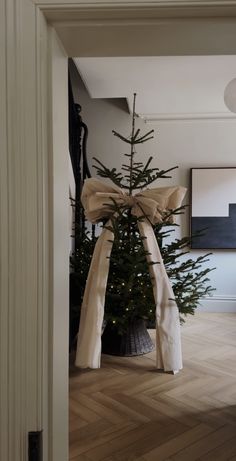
x=128, y=411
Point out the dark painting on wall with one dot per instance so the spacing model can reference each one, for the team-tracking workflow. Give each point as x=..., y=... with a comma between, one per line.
x=213, y=208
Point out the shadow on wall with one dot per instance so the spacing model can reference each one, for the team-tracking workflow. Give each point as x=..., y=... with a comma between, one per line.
x=118, y=103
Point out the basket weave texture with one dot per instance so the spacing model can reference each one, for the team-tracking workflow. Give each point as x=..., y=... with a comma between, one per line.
x=135, y=341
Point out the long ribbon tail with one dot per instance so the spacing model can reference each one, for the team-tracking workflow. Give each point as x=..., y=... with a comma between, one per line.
x=168, y=339
x=88, y=353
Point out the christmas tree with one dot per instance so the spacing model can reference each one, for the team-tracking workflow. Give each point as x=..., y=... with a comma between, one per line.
x=129, y=293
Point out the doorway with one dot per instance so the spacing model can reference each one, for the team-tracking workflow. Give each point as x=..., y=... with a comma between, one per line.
x=37, y=357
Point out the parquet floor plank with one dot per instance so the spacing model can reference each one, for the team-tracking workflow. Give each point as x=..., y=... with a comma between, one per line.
x=169, y=411
x=94, y=442
x=127, y=410
x=132, y=444
x=178, y=443
x=199, y=448
x=222, y=453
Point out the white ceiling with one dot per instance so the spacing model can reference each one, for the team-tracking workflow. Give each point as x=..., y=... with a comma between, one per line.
x=167, y=87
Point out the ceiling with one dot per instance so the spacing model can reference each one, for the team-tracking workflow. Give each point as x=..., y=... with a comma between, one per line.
x=167, y=87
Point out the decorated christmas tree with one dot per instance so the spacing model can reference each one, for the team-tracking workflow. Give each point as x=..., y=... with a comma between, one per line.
x=129, y=290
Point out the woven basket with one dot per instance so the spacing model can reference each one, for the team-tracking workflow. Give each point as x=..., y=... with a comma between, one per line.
x=136, y=340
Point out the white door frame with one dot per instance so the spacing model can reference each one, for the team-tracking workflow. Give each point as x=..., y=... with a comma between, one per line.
x=33, y=204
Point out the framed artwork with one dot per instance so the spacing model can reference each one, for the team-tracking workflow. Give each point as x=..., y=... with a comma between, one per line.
x=213, y=208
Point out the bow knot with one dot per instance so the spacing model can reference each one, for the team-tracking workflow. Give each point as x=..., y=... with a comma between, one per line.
x=130, y=200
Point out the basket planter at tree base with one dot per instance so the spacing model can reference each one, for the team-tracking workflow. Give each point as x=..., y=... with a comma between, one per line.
x=135, y=341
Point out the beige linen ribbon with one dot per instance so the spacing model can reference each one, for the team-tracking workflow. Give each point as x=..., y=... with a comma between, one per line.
x=154, y=203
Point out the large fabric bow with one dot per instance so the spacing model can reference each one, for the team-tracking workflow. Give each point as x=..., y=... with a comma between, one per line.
x=153, y=203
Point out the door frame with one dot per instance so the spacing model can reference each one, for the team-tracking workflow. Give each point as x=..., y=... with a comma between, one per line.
x=34, y=240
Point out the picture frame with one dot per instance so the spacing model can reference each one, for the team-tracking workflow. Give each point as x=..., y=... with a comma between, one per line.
x=213, y=208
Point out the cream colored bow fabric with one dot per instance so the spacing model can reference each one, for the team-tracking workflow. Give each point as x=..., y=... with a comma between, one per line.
x=154, y=203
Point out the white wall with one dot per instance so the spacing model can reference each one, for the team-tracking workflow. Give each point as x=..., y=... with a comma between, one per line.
x=184, y=143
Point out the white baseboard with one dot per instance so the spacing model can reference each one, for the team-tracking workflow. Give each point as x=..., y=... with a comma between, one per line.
x=218, y=303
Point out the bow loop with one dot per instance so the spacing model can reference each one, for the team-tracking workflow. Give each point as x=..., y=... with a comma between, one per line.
x=97, y=198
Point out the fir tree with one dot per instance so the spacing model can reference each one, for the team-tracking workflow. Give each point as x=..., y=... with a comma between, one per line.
x=129, y=293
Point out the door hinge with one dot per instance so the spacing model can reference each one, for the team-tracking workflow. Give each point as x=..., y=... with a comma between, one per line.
x=35, y=446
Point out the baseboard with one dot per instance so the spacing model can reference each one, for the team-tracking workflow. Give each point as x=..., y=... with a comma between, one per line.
x=218, y=303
